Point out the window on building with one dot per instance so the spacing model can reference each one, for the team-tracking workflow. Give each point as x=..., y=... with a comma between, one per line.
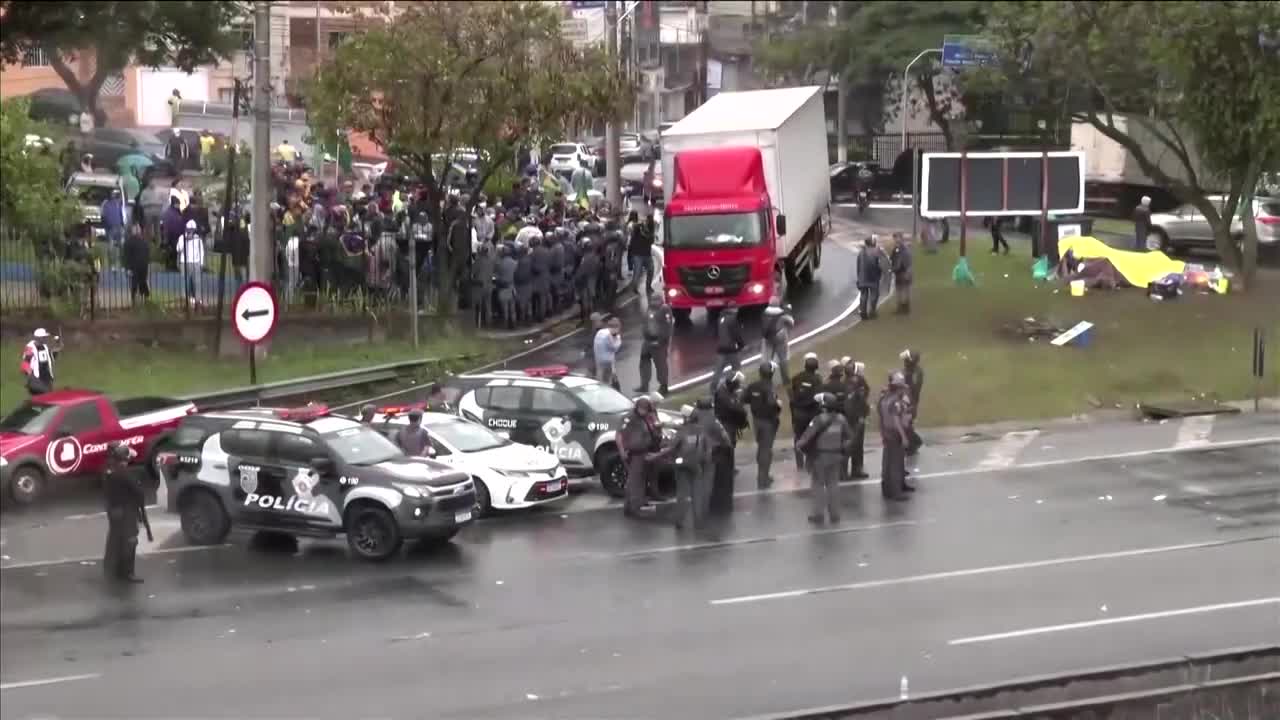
x=35, y=57
x=337, y=38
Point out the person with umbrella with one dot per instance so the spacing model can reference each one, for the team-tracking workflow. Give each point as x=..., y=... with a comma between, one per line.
x=131, y=167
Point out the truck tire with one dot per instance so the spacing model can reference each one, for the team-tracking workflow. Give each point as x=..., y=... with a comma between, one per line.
x=27, y=485
x=204, y=520
x=613, y=473
x=372, y=532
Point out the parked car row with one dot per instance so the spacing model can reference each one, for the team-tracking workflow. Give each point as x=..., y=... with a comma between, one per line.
x=515, y=442
x=1186, y=228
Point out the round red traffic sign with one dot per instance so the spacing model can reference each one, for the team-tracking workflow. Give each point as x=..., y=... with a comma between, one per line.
x=254, y=312
x=63, y=455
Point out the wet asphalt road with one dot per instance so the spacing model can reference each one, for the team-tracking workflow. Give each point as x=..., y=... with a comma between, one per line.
x=1017, y=557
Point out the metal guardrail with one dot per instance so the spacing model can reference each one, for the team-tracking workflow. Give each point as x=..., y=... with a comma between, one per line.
x=257, y=394
x=1053, y=695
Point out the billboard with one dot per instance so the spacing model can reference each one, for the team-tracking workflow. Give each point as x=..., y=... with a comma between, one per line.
x=1001, y=184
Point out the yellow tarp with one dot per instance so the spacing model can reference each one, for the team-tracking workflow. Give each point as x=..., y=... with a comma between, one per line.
x=1138, y=268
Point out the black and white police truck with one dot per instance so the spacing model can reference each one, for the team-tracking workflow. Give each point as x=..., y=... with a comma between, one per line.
x=572, y=417
x=305, y=472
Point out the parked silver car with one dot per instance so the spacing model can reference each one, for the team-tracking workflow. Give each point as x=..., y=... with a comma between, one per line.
x=1186, y=227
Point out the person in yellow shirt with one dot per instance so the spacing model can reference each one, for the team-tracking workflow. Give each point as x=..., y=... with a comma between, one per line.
x=207, y=143
x=287, y=152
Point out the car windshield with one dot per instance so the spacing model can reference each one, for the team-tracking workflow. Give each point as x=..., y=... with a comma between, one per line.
x=713, y=231
x=29, y=419
x=361, y=446
x=467, y=437
x=92, y=194
x=564, y=149
x=603, y=399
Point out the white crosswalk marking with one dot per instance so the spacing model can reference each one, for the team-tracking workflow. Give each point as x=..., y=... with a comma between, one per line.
x=1005, y=453
x=1194, y=431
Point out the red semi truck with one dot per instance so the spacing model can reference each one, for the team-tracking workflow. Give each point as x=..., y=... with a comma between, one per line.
x=748, y=198
x=65, y=433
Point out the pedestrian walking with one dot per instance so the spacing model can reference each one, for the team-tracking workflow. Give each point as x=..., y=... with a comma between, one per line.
x=766, y=412
x=655, y=351
x=125, y=503
x=856, y=408
x=640, y=252
x=901, y=262
x=607, y=343
x=893, y=439
x=914, y=375
x=1141, y=224
x=997, y=236
x=804, y=403
x=775, y=337
x=826, y=443
x=729, y=344
x=191, y=259
x=639, y=440
x=868, y=269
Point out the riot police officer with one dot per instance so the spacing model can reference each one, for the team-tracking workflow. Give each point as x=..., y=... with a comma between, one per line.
x=720, y=446
x=555, y=268
x=640, y=440
x=856, y=408
x=766, y=410
x=729, y=407
x=894, y=438
x=826, y=443
x=524, y=284
x=482, y=271
x=587, y=278
x=659, y=323
x=691, y=450
x=540, y=265
x=729, y=344
x=125, y=504
x=505, y=280
x=804, y=404
x=913, y=375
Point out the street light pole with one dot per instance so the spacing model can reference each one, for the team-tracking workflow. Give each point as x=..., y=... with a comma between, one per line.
x=612, y=151
x=902, y=118
x=261, y=254
x=905, y=79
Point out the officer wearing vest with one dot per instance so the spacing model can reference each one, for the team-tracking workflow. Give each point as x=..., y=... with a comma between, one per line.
x=775, y=335
x=540, y=264
x=413, y=439
x=555, y=268
x=505, y=281
x=836, y=386
x=729, y=344
x=826, y=443
x=914, y=377
x=894, y=439
x=856, y=408
x=766, y=409
x=730, y=410
x=804, y=404
x=690, y=453
x=586, y=277
x=37, y=361
x=125, y=502
x=524, y=283
x=482, y=271
x=659, y=324
x=640, y=441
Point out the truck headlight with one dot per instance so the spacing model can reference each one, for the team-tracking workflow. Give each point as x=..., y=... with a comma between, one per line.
x=756, y=288
x=3, y=462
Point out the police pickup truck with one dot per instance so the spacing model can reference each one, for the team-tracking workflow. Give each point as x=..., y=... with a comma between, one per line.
x=572, y=417
x=305, y=472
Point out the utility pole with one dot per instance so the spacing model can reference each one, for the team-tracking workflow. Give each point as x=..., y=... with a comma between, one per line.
x=261, y=254
x=704, y=48
x=612, y=151
x=228, y=213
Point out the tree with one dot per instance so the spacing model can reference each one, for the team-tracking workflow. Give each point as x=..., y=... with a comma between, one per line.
x=446, y=75
x=1191, y=81
x=32, y=202
x=182, y=34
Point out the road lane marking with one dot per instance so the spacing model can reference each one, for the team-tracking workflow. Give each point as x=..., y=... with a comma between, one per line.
x=1194, y=431
x=989, y=570
x=48, y=681
x=1114, y=621
x=98, y=558
x=1005, y=453
x=711, y=545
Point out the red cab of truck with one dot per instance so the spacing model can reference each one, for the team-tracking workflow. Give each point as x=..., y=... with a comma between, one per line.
x=748, y=198
x=65, y=434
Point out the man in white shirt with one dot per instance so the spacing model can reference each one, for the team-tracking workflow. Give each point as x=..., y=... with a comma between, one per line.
x=191, y=258
x=292, y=276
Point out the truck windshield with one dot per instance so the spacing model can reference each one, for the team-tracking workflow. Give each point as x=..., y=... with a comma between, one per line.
x=361, y=446
x=714, y=231
x=29, y=419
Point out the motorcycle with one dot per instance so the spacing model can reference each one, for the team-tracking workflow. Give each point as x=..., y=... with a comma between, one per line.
x=864, y=201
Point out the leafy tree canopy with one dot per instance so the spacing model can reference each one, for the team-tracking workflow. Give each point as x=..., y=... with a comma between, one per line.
x=1191, y=81
x=165, y=32
x=32, y=203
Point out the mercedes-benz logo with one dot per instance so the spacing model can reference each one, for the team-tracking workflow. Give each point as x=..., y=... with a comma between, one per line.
x=713, y=272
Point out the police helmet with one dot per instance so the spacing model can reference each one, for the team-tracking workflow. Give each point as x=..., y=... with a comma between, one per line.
x=897, y=379
x=737, y=377
x=830, y=401
x=811, y=361
x=766, y=369
x=910, y=356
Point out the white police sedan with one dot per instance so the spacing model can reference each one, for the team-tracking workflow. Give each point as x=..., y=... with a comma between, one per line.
x=507, y=475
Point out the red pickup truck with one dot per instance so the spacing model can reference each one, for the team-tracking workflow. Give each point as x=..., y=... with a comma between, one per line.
x=65, y=434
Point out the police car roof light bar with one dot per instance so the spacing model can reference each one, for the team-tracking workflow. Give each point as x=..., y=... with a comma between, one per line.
x=390, y=410
x=310, y=411
x=547, y=371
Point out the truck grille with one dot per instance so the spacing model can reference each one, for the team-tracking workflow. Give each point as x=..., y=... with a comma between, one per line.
x=730, y=279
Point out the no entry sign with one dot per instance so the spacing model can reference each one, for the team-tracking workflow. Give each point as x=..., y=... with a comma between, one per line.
x=254, y=312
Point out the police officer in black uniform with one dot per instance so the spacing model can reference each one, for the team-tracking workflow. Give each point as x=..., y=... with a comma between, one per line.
x=125, y=505
x=524, y=284
x=505, y=280
x=729, y=406
x=436, y=400
x=766, y=409
x=720, y=445
x=482, y=272
x=690, y=452
x=826, y=442
x=729, y=343
x=857, y=406
x=659, y=323
x=804, y=403
x=640, y=440
x=586, y=278
x=540, y=264
x=835, y=385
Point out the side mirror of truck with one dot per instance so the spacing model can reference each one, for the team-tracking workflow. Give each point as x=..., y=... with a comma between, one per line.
x=782, y=224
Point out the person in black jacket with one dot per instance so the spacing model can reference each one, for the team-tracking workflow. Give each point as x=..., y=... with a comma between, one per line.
x=125, y=502
x=869, y=268
x=137, y=261
x=766, y=410
x=729, y=344
x=640, y=252
x=730, y=410
x=804, y=403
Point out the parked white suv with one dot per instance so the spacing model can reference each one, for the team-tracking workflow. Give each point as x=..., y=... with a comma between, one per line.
x=567, y=157
x=1186, y=227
